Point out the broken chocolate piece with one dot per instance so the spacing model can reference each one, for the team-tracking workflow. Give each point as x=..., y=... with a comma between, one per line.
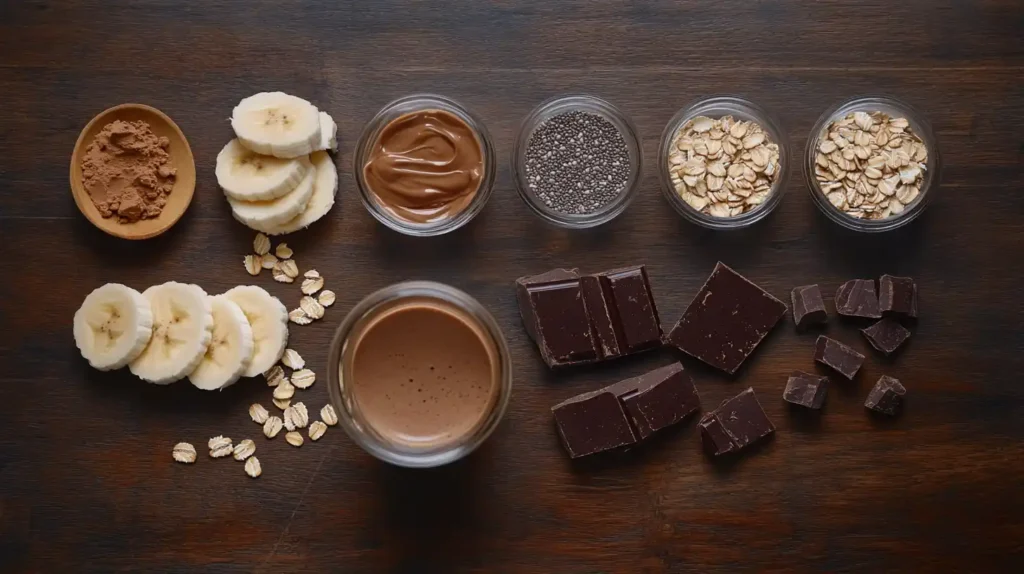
x=857, y=298
x=593, y=422
x=843, y=359
x=886, y=335
x=886, y=397
x=897, y=296
x=726, y=320
x=806, y=390
x=734, y=425
x=576, y=320
x=551, y=305
x=657, y=399
x=808, y=307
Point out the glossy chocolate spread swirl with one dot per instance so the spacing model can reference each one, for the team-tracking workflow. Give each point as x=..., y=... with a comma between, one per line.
x=425, y=166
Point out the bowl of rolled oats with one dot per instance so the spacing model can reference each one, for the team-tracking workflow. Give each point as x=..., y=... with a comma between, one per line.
x=723, y=162
x=871, y=164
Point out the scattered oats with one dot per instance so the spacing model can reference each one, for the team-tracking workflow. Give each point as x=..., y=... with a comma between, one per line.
x=184, y=452
x=244, y=449
x=258, y=414
x=311, y=274
x=326, y=298
x=252, y=467
x=290, y=268
x=311, y=307
x=312, y=285
x=253, y=264
x=870, y=165
x=299, y=317
x=280, y=276
x=219, y=446
x=274, y=376
x=282, y=404
x=328, y=415
x=317, y=430
x=303, y=378
x=292, y=359
x=272, y=426
x=261, y=245
x=269, y=261
x=284, y=252
x=296, y=416
x=282, y=392
x=294, y=438
x=717, y=170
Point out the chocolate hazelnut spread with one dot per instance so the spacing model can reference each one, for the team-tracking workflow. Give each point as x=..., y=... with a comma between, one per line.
x=425, y=166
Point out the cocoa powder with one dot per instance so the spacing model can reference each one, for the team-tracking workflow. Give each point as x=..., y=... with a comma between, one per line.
x=126, y=171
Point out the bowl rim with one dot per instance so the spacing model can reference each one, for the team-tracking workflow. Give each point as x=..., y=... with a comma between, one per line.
x=80, y=195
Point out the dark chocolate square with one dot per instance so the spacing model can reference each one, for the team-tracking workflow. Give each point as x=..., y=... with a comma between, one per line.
x=808, y=306
x=736, y=424
x=857, y=298
x=658, y=399
x=634, y=314
x=551, y=305
x=841, y=358
x=726, y=320
x=806, y=390
x=886, y=335
x=593, y=422
x=886, y=397
x=897, y=296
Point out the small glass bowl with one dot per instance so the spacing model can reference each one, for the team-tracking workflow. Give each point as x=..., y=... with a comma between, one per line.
x=415, y=103
x=559, y=105
x=894, y=108
x=716, y=107
x=347, y=407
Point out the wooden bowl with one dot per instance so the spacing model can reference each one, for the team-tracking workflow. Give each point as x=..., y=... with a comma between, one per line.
x=180, y=158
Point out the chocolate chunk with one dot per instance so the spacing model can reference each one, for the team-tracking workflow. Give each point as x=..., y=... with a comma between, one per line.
x=808, y=308
x=734, y=425
x=593, y=422
x=657, y=399
x=886, y=335
x=886, y=397
x=551, y=305
x=840, y=357
x=627, y=293
x=726, y=320
x=897, y=296
x=586, y=319
x=857, y=298
x=806, y=390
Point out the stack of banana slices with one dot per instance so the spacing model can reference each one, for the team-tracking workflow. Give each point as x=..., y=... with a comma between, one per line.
x=175, y=330
x=277, y=174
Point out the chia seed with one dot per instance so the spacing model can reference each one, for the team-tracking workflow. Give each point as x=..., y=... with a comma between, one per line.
x=577, y=162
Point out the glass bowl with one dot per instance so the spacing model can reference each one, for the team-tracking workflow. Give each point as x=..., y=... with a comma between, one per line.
x=918, y=125
x=560, y=105
x=716, y=107
x=406, y=105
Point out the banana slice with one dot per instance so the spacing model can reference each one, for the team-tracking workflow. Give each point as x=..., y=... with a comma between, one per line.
x=248, y=176
x=113, y=326
x=324, y=190
x=328, y=133
x=277, y=124
x=230, y=350
x=182, y=328
x=257, y=214
x=268, y=318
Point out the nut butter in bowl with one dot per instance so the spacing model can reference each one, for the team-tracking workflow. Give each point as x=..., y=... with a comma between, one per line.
x=424, y=165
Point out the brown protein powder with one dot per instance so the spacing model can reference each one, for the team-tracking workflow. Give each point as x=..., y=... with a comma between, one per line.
x=126, y=171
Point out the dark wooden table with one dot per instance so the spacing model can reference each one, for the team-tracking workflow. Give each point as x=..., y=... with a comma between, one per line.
x=86, y=479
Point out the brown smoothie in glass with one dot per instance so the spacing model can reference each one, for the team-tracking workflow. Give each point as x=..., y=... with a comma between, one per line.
x=424, y=373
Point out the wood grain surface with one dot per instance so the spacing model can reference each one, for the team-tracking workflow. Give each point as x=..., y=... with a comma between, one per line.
x=87, y=483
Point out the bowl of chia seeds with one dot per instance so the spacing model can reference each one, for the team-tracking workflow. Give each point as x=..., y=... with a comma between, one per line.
x=577, y=161
x=723, y=162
